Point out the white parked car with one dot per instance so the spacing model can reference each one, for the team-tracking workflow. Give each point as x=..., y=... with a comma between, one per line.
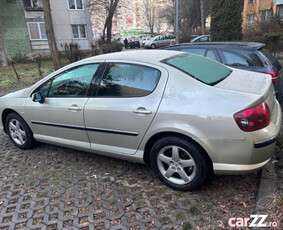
x=182, y=113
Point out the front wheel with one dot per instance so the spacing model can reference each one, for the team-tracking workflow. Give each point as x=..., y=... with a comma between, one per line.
x=19, y=132
x=153, y=46
x=180, y=164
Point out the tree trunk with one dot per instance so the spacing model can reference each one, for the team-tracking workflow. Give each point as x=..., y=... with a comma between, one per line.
x=50, y=35
x=109, y=30
x=202, y=22
x=15, y=71
x=2, y=50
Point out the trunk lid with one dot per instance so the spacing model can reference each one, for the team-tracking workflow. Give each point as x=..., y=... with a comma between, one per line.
x=251, y=83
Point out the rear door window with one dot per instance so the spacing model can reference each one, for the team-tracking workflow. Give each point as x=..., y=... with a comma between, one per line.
x=128, y=80
x=233, y=59
x=194, y=50
x=200, y=68
x=211, y=54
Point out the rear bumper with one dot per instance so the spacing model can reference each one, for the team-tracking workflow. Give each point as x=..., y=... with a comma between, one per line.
x=234, y=169
x=251, y=154
x=261, y=144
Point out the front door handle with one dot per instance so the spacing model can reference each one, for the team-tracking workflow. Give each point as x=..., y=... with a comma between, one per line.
x=74, y=108
x=142, y=110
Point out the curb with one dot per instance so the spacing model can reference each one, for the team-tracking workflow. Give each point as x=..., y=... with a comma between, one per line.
x=267, y=188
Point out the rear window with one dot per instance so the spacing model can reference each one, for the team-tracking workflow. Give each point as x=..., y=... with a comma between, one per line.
x=200, y=68
x=268, y=55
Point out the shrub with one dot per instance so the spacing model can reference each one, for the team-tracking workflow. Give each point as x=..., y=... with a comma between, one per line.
x=107, y=47
x=270, y=33
x=72, y=52
x=19, y=58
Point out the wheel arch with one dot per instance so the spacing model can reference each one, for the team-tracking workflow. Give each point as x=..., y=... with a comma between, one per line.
x=5, y=113
x=150, y=142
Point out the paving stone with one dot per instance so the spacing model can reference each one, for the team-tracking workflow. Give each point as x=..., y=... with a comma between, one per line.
x=51, y=187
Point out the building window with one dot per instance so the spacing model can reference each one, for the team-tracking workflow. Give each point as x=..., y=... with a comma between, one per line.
x=75, y=4
x=251, y=19
x=79, y=31
x=252, y=1
x=37, y=31
x=265, y=15
x=33, y=3
x=280, y=11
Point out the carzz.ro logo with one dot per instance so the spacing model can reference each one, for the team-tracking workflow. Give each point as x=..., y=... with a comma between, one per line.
x=252, y=221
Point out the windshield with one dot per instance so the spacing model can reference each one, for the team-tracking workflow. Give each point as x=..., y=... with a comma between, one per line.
x=154, y=38
x=200, y=68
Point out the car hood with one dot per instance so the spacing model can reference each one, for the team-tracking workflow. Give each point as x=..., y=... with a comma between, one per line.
x=18, y=94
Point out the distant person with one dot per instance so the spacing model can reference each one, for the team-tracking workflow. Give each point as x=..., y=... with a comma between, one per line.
x=126, y=43
x=131, y=44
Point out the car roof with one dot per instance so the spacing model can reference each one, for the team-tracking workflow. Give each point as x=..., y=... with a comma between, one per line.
x=147, y=56
x=251, y=45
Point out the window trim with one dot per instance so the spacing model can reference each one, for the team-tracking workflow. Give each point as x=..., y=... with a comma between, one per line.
x=39, y=29
x=99, y=79
x=79, y=32
x=75, y=5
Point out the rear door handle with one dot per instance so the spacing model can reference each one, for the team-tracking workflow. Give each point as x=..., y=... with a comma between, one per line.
x=74, y=108
x=142, y=110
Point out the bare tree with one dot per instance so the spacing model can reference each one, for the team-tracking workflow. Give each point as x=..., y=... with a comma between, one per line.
x=106, y=8
x=50, y=34
x=168, y=13
x=2, y=50
x=150, y=14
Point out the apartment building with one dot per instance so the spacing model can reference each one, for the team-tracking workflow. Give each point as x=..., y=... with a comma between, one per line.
x=71, y=23
x=23, y=27
x=261, y=11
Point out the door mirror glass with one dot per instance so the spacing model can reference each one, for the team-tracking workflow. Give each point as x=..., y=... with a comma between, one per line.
x=37, y=97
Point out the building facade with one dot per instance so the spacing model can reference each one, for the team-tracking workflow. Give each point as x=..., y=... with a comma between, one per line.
x=256, y=11
x=14, y=29
x=23, y=26
x=71, y=23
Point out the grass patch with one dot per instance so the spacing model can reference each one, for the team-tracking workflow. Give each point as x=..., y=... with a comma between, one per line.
x=194, y=210
x=187, y=226
x=27, y=72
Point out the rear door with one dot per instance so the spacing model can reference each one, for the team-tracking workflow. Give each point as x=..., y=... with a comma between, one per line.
x=120, y=111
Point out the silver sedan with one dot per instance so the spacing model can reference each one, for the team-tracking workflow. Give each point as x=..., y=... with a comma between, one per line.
x=185, y=115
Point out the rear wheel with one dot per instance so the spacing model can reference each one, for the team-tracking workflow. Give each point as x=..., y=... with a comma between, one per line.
x=178, y=163
x=19, y=132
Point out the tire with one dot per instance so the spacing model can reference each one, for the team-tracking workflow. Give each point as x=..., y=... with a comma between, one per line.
x=153, y=46
x=19, y=132
x=171, y=169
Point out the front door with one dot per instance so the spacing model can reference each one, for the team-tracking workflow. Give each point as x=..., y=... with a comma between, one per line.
x=60, y=118
x=126, y=101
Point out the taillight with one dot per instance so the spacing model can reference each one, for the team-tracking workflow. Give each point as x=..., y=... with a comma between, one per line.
x=274, y=76
x=254, y=118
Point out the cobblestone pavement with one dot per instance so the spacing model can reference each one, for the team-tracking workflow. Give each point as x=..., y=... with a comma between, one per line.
x=51, y=187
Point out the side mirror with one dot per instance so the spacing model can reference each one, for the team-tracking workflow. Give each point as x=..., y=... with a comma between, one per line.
x=37, y=97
